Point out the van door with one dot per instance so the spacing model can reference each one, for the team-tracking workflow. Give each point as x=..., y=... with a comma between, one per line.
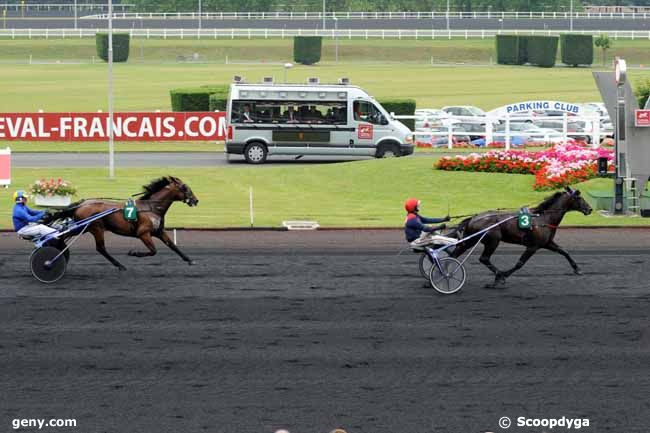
x=369, y=126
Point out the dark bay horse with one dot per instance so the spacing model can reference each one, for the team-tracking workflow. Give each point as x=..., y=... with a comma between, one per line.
x=155, y=201
x=548, y=216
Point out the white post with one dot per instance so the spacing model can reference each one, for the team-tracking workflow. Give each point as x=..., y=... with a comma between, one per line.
x=507, y=131
x=565, y=129
x=447, y=15
x=595, y=132
x=250, y=200
x=111, y=145
x=488, y=131
x=450, y=136
x=175, y=243
x=336, y=31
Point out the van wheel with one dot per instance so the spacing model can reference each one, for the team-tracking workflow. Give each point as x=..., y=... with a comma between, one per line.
x=388, y=148
x=255, y=153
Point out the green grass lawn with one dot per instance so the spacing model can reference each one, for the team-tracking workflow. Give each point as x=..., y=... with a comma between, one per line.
x=367, y=193
x=146, y=87
x=440, y=50
x=385, y=69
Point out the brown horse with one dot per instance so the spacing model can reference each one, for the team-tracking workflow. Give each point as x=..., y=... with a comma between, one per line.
x=155, y=201
x=547, y=218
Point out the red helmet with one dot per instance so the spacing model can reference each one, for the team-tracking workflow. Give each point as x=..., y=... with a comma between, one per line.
x=412, y=205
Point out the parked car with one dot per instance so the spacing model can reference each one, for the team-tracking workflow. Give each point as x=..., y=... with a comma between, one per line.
x=533, y=134
x=576, y=129
x=464, y=110
x=429, y=118
x=474, y=130
x=599, y=108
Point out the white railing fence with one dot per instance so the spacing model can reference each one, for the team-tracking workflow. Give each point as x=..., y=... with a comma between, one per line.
x=446, y=134
x=289, y=33
x=28, y=7
x=427, y=15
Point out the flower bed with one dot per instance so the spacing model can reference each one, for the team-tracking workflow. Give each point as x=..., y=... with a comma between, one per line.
x=558, y=166
x=52, y=187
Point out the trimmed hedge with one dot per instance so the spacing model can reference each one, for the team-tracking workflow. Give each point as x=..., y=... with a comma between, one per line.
x=522, y=53
x=577, y=49
x=219, y=101
x=507, y=47
x=542, y=50
x=121, y=42
x=307, y=49
x=401, y=107
x=195, y=98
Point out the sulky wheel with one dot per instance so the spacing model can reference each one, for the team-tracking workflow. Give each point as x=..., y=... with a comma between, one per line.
x=425, y=265
x=44, y=268
x=449, y=277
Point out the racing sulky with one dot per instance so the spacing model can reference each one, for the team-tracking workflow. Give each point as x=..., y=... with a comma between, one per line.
x=546, y=218
x=149, y=222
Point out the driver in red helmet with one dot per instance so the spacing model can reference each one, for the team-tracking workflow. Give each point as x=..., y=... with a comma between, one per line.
x=415, y=224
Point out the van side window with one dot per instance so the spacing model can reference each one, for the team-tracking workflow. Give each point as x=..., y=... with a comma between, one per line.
x=365, y=111
x=294, y=112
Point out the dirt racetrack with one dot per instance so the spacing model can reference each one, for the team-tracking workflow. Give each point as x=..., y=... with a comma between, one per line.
x=311, y=331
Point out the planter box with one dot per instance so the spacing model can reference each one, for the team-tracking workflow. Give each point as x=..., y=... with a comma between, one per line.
x=52, y=201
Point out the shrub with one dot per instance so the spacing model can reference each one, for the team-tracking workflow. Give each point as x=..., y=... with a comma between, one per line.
x=577, y=49
x=120, y=46
x=642, y=91
x=604, y=43
x=542, y=50
x=522, y=53
x=307, y=49
x=507, y=47
x=401, y=107
x=195, y=98
x=218, y=101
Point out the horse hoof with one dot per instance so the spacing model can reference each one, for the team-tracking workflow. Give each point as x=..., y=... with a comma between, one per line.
x=131, y=253
x=577, y=272
x=121, y=268
x=191, y=262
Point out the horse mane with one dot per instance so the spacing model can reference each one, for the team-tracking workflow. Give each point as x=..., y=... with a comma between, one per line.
x=548, y=202
x=154, y=186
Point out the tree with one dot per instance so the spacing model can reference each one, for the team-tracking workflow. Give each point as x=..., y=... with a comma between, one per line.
x=603, y=42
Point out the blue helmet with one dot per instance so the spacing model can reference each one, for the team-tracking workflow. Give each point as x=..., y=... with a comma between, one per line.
x=19, y=196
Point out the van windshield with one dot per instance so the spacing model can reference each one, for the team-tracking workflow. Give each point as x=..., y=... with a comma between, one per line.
x=311, y=112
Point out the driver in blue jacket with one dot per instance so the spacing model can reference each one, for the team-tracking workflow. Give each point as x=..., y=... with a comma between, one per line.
x=27, y=221
x=415, y=225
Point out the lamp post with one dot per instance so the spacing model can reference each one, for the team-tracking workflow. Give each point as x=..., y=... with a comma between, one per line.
x=199, y=14
x=75, y=14
x=323, y=14
x=111, y=144
x=571, y=16
x=619, y=143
